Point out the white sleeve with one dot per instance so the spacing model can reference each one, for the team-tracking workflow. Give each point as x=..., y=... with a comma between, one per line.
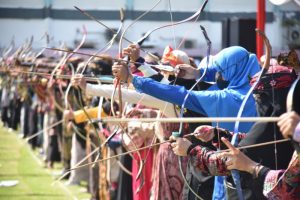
x=132, y=96
x=147, y=70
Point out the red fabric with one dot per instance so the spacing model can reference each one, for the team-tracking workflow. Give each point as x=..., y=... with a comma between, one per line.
x=144, y=193
x=207, y=161
x=277, y=77
x=41, y=92
x=135, y=71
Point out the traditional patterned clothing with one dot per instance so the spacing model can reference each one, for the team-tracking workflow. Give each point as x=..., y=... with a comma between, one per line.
x=167, y=181
x=236, y=66
x=284, y=184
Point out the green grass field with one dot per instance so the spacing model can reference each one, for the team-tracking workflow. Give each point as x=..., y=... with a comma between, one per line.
x=19, y=162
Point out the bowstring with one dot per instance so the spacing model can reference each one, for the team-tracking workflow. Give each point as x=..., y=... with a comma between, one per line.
x=172, y=22
x=183, y=105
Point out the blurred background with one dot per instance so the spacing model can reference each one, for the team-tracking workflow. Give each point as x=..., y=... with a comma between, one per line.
x=230, y=22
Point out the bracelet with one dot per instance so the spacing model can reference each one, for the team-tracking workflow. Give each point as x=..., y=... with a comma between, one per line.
x=139, y=60
x=255, y=170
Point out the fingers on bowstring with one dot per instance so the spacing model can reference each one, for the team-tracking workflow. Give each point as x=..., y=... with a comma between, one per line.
x=174, y=145
x=286, y=126
x=178, y=71
x=227, y=158
x=224, y=155
x=77, y=77
x=205, y=129
x=229, y=161
x=172, y=139
x=229, y=145
x=282, y=119
x=178, y=67
x=135, y=46
x=126, y=51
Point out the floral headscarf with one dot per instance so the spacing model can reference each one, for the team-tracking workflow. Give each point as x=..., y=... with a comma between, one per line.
x=174, y=57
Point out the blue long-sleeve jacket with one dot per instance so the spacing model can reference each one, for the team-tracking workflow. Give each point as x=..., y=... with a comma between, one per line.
x=236, y=65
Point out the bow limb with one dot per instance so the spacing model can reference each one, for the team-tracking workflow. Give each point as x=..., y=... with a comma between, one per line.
x=141, y=40
x=26, y=48
x=69, y=56
x=46, y=35
x=64, y=60
x=51, y=83
x=142, y=162
x=102, y=145
x=290, y=96
x=265, y=68
x=184, y=101
x=7, y=51
x=208, y=42
x=56, y=104
x=81, y=135
x=113, y=31
x=122, y=166
x=117, y=81
x=104, y=49
x=268, y=49
x=109, y=44
x=235, y=173
x=60, y=63
x=130, y=25
x=18, y=52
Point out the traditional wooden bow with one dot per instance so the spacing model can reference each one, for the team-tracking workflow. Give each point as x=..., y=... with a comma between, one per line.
x=208, y=42
x=235, y=173
x=141, y=160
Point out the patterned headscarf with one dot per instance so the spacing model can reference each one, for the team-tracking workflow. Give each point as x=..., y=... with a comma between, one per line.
x=271, y=92
x=174, y=57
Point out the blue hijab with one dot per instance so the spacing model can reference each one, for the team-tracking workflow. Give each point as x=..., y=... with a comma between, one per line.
x=237, y=66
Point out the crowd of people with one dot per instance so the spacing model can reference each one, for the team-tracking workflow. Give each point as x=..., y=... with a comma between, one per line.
x=57, y=105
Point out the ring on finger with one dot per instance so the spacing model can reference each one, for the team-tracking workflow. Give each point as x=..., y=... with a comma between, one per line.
x=228, y=160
